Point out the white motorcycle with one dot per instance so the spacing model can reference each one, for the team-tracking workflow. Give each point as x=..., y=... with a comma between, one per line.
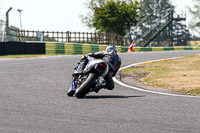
x=91, y=81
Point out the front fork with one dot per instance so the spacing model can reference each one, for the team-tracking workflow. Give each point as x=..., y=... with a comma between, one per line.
x=73, y=84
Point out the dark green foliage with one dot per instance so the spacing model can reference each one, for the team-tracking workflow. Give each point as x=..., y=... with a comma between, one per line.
x=114, y=16
x=158, y=9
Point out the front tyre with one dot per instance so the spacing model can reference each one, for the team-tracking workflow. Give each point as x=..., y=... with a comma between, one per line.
x=86, y=86
x=70, y=92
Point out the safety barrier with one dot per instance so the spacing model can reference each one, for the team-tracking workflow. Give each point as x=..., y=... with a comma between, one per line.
x=58, y=48
x=138, y=49
x=19, y=48
x=76, y=48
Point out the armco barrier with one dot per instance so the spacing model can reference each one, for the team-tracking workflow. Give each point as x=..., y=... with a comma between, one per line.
x=138, y=49
x=58, y=48
x=195, y=48
x=70, y=48
x=168, y=48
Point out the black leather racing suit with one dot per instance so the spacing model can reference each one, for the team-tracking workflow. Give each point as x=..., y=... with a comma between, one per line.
x=113, y=60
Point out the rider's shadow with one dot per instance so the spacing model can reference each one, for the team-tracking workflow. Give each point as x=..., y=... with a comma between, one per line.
x=111, y=96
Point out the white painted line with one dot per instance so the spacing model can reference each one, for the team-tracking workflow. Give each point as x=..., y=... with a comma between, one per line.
x=147, y=62
x=150, y=91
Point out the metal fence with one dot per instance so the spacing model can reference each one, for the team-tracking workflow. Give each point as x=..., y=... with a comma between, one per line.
x=72, y=37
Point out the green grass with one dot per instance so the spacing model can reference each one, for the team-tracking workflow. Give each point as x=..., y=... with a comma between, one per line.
x=191, y=92
x=181, y=75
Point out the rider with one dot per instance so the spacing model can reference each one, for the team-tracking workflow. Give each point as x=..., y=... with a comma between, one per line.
x=111, y=57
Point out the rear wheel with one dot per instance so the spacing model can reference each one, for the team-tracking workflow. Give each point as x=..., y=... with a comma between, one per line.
x=86, y=86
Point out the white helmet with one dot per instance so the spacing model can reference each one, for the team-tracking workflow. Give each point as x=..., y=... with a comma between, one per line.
x=111, y=48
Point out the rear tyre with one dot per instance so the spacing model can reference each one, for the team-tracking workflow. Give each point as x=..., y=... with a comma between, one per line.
x=86, y=86
x=70, y=92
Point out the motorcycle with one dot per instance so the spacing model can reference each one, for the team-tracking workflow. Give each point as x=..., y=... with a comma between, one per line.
x=92, y=79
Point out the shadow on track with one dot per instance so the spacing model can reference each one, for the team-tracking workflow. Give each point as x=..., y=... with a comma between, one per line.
x=110, y=96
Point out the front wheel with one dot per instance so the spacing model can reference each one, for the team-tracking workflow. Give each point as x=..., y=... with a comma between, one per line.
x=86, y=86
x=70, y=92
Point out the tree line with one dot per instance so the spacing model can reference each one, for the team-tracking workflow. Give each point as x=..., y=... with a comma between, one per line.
x=121, y=16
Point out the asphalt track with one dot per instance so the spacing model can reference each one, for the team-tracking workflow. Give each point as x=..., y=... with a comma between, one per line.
x=33, y=99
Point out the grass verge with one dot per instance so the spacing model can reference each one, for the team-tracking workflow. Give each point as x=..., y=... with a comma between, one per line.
x=180, y=75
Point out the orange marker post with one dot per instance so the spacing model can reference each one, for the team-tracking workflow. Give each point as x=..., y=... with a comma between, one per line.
x=130, y=49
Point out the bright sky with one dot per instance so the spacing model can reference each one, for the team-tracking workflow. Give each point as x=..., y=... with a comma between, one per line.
x=55, y=15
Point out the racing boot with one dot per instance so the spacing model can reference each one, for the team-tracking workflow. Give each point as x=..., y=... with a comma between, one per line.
x=108, y=86
x=98, y=88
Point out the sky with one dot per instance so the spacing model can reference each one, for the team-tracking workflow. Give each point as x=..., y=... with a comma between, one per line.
x=57, y=15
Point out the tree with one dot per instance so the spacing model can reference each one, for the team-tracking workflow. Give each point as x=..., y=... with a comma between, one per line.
x=181, y=34
x=91, y=5
x=157, y=9
x=114, y=16
x=195, y=21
